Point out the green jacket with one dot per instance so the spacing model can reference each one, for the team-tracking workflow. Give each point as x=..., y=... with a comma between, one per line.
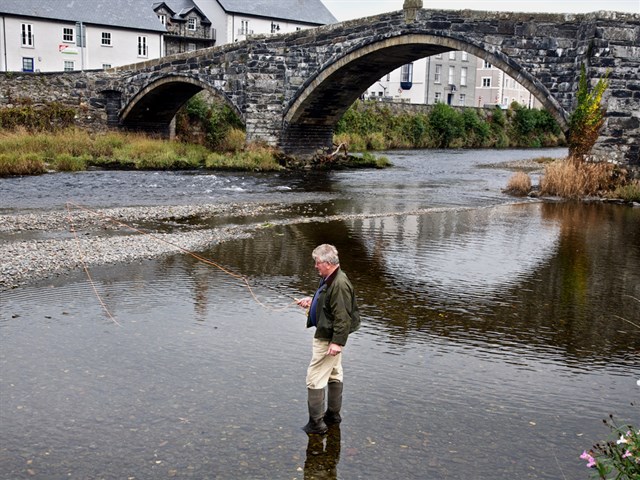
x=337, y=312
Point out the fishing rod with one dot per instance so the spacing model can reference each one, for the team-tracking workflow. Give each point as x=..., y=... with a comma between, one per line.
x=242, y=278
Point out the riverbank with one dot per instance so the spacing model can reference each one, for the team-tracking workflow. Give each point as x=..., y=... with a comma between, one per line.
x=51, y=243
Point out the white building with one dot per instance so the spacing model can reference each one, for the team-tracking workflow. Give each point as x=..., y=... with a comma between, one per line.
x=235, y=20
x=67, y=35
x=63, y=35
x=456, y=78
x=494, y=87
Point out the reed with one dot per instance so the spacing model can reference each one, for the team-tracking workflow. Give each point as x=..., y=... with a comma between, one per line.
x=572, y=179
x=519, y=184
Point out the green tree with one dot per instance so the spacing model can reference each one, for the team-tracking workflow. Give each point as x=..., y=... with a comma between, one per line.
x=587, y=119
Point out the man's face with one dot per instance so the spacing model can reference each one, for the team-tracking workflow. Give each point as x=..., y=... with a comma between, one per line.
x=324, y=268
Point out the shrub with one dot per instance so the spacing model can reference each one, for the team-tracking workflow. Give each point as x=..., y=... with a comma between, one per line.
x=587, y=119
x=446, y=124
x=628, y=193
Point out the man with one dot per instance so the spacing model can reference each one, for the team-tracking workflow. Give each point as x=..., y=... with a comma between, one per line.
x=334, y=312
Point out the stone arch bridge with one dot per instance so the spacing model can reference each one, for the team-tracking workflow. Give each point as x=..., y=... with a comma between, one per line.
x=291, y=89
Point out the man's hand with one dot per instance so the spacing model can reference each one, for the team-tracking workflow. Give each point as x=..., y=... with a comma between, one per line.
x=334, y=349
x=304, y=302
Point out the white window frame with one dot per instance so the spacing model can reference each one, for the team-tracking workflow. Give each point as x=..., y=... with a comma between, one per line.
x=163, y=18
x=68, y=34
x=437, y=74
x=105, y=39
x=452, y=75
x=452, y=55
x=437, y=97
x=192, y=24
x=465, y=56
x=106, y=66
x=143, y=49
x=406, y=73
x=69, y=66
x=486, y=82
x=463, y=76
x=486, y=64
x=462, y=99
x=26, y=35
x=191, y=47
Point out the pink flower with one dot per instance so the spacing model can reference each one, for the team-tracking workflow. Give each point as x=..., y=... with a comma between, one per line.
x=626, y=454
x=591, y=462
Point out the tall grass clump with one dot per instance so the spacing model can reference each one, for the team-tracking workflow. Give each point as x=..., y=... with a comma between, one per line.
x=569, y=179
x=629, y=192
x=519, y=184
x=20, y=163
x=253, y=157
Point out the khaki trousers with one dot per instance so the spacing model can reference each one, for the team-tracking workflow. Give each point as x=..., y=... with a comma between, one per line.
x=323, y=368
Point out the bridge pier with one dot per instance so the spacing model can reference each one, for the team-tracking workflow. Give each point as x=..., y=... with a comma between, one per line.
x=303, y=140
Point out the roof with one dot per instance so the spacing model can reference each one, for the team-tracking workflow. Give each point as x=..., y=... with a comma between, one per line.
x=134, y=14
x=304, y=11
x=180, y=9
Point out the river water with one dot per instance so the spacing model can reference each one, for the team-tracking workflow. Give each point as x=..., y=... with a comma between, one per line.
x=497, y=333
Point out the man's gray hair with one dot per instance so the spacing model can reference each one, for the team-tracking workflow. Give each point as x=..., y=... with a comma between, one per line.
x=326, y=253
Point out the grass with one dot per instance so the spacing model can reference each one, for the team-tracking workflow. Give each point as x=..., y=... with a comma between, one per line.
x=31, y=153
x=571, y=179
x=574, y=179
x=519, y=184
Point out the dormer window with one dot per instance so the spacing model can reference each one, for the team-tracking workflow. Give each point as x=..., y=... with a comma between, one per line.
x=192, y=24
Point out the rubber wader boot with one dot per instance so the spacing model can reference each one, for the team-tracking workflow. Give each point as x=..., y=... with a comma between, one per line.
x=334, y=404
x=316, y=412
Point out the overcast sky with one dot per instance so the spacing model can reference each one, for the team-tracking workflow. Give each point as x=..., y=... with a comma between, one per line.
x=348, y=9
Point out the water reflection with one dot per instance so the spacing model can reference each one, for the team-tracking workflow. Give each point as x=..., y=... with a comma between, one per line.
x=323, y=455
x=493, y=341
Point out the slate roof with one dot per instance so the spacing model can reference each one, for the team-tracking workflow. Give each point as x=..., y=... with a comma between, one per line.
x=306, y=11
x=181, y=8
x=134, y=14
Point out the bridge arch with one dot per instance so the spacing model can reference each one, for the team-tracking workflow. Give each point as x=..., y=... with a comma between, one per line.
x=324, y=98
x=154, y=106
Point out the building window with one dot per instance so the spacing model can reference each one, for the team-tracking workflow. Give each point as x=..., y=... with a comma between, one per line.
x=69, y=66
x=462, y=99
x=163, y=19
x=106, y=66
x=437, y=97
x=106, y=39
x=27, y=64
x=439, y=55
x=406, y=76
x=27, y=36
x=437, y=74
x=142, y=46
x=452, y=74
x=244, y=27
x=486, y=64
x=452, y=55
x=486, y=82
x=388, y=77
x=67, y=34
x=192, y=24
x=191, y=47
x=463, y=76
x=465, y=56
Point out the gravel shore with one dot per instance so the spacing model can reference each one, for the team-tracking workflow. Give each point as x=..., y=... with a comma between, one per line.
x=60, y=241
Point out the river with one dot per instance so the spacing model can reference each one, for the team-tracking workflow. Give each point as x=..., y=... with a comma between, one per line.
x=497, y=332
